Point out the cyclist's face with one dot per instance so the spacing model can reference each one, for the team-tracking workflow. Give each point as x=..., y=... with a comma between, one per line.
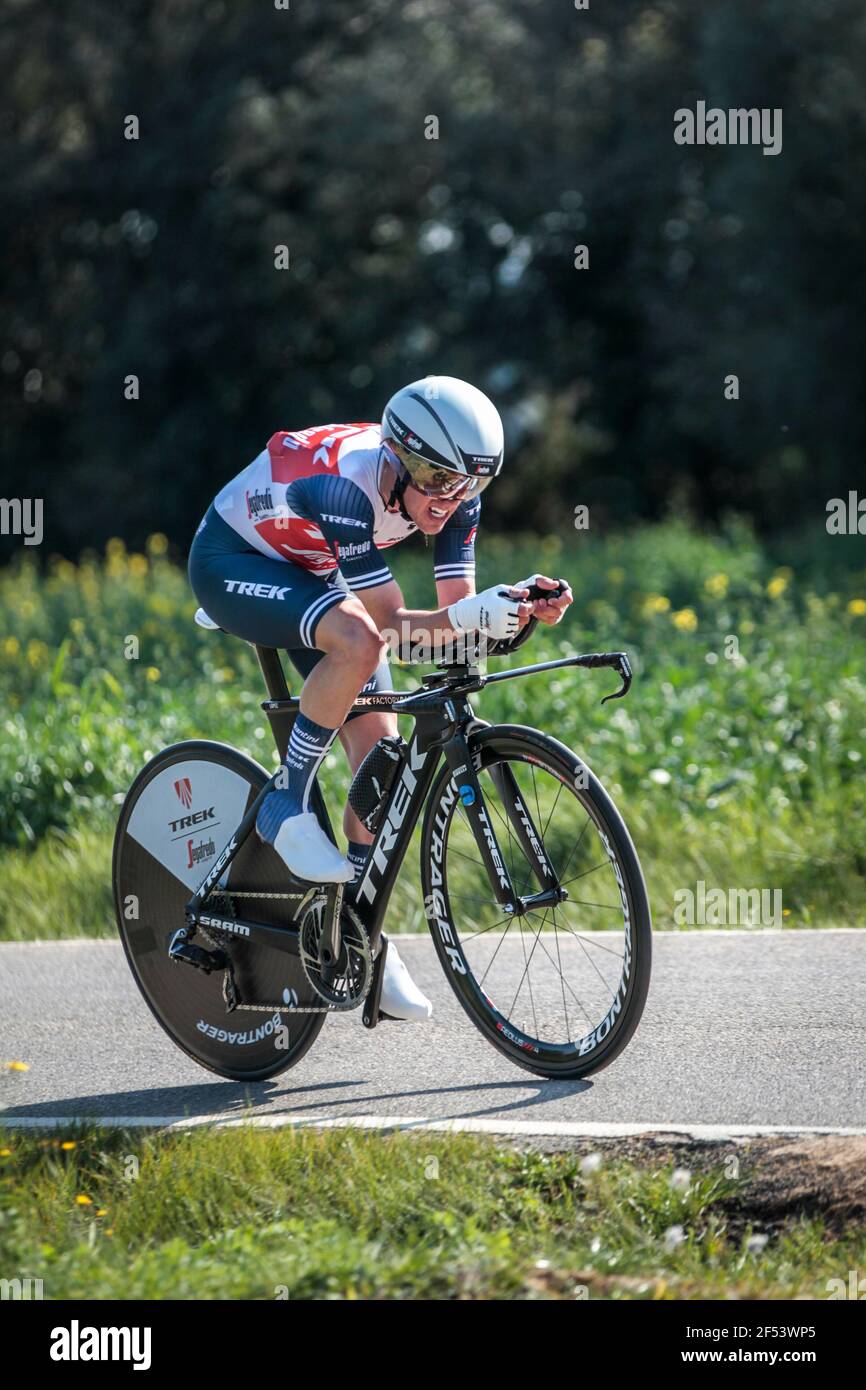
x=429, y=514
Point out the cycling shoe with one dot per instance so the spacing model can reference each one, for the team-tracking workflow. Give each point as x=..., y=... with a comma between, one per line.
x=401, y=998
x=307, y=852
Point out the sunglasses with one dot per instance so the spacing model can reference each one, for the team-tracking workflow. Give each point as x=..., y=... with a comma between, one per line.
x=431, y=479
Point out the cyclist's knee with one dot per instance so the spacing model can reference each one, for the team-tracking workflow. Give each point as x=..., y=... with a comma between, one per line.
x=348, y=632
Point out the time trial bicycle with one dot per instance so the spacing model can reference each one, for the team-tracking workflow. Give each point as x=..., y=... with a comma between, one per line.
x=533, y=892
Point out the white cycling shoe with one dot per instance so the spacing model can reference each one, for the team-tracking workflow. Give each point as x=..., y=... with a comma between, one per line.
x=401, y=998
x=307, y=852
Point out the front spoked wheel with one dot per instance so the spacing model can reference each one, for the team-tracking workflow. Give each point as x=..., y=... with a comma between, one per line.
x=559, y=989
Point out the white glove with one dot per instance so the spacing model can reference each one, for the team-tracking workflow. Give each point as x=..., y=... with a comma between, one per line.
x=545, y=593
x=493, y=612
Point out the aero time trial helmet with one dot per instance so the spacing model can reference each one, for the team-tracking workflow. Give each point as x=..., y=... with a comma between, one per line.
x=443, y=436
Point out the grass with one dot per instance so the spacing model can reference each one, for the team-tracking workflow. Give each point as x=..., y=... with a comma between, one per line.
x=247, y=1213
x=737, y=759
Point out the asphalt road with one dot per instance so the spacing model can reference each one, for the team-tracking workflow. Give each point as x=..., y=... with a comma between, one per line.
x=743, y=1032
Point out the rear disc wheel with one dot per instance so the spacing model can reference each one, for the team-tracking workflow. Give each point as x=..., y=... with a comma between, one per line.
x=177, y=817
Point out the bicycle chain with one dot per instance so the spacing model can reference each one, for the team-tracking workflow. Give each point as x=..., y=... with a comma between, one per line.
x=226, y=938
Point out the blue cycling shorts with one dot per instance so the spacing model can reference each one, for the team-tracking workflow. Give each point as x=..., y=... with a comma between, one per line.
x=272, y=603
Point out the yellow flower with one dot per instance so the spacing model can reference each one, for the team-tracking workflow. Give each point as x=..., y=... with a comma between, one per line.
x=115, y=547
x=152, y=673
x=18, y=1066
x=138, y=564
x=655, y=603
x=109, y=1231
x=102, y=1211
x=5, y=1153
x=68, y=1144
x=162, y=606
x=717, y=585
x=685, y=620
x=62, y=569
x=37, y=652
x=11, y=646
x=157, y=544
x=82, y=1201
x=857, y=607
x=777, y=586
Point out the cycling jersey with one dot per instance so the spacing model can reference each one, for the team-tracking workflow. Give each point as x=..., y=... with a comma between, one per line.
x=311, y=497
x=287, y=538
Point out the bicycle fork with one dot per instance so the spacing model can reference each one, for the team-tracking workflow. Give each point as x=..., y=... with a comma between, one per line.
x=459, y=758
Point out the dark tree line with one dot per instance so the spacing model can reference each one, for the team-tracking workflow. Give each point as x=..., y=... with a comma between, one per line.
x=306, y=127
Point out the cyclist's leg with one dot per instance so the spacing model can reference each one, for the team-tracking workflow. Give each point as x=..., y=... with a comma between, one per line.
x=273, y=603
x=358, y=735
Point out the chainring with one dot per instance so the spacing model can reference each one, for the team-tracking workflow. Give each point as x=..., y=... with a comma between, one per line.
x=346, y=985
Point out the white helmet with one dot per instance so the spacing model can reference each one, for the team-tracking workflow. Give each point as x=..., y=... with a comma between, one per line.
x=444, y=436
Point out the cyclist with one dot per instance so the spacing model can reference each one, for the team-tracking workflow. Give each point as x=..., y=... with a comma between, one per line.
x=290, y=555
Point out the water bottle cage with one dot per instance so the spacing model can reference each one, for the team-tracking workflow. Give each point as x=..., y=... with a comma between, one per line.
x=372, y=783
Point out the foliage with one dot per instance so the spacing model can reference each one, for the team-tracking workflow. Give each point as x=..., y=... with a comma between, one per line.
x=305, y=127
x=736, y=759
x=249, y=1213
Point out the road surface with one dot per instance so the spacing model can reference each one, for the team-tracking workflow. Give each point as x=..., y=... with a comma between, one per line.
x=743, y=1032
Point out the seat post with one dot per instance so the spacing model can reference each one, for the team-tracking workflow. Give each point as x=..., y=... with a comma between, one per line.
x=281, y=720
x=272, y=670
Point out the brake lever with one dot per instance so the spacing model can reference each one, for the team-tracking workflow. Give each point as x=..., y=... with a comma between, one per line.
x=622, y=666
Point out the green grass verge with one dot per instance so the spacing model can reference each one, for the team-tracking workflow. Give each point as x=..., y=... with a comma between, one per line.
x=247, y=1213
x=737, y=758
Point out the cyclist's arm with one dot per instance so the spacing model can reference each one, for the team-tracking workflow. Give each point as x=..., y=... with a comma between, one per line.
x=343, y=514
x=387, y=608
x=450, y=590
x=454, y=554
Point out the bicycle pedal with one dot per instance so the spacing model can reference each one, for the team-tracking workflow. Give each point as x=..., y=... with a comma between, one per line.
x=184, y=953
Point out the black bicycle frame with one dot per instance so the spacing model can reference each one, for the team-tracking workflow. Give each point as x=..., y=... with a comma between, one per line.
x=444, y=721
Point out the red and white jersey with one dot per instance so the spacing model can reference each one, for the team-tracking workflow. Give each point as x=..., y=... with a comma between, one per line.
x=255, y=503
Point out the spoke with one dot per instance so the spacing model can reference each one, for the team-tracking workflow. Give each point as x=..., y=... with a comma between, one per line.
x=576, y=844
x=525, y=968
x=567, y=985
x=584, y=902
x=584, y=872
x=590, y=939
x=482, y=931
x=552, y=809
x=464, y=897
x=476, y=862
x=591, y=961
x=493, y=957
x=562, y=982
